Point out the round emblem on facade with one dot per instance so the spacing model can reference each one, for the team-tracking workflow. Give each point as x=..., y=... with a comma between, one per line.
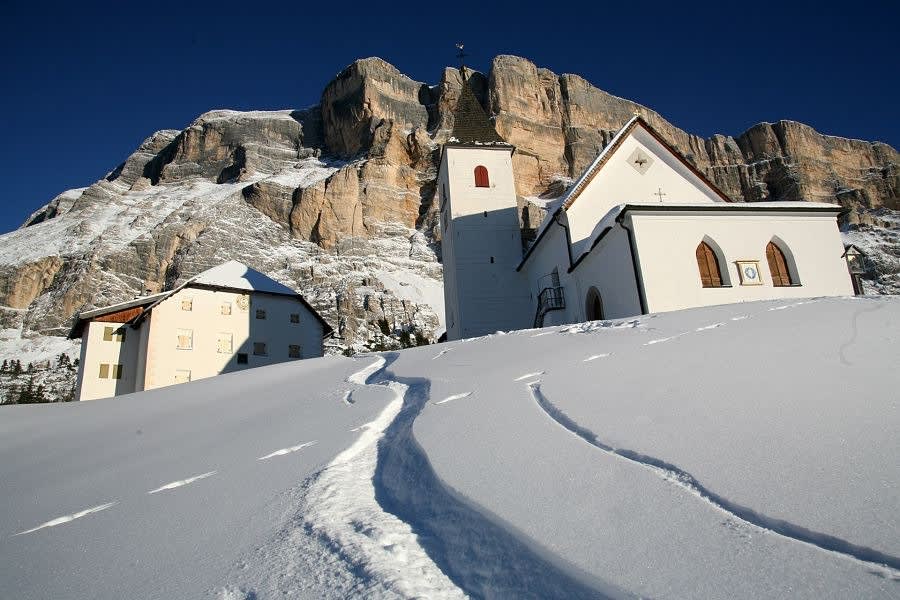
x=749, y=272
x=243, y=302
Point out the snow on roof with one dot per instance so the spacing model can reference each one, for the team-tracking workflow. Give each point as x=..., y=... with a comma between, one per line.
x=237, y=275
x=139, y=301
x=601, y=158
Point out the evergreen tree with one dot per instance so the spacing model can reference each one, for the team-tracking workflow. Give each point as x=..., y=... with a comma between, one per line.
x=5, y=366
x=17, y=368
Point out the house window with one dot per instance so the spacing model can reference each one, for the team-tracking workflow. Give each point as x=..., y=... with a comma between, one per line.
x=185, y=339
x=187, y=304
x=182, y=376
x=708, y=264
x=259, y=349
x=294, y=351
x=104, y=371
x=226, y=308
x=260, y=313
x=295, y=317
x=481, y=177
x=781, y=276
x=242, y=358
x=223, y=343
x=116, y=371
x=113, y=334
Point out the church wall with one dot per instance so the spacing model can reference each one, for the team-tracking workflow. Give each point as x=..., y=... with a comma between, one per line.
x=618, y=182
x=609, y=268
x=552, y=253
x=219, y=325
x=666, y=245
x=482, y=245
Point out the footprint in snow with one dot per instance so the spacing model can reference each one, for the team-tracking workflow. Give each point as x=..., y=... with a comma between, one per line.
x=182, y=482
x=348, y=398
x=595, y=357
x=287, y=450
x=454, y=397
x=68, y=518
x=740, y=317
x=708, y=327
x=528, y=376
x=441, y=353
x=544, y=333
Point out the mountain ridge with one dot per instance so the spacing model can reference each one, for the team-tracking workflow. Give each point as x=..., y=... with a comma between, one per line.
x=336, y=200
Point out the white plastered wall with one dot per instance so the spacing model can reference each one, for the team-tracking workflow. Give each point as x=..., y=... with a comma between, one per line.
x=482, y=246
x=206, y=320
x=666, y=246
x=550, y=253
x=618, y=182
x=610, y=269
x=96, y=351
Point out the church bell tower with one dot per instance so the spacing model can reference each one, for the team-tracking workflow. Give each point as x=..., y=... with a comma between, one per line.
x=480, y=238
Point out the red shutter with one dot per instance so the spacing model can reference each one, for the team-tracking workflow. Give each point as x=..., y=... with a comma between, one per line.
x=481, y=177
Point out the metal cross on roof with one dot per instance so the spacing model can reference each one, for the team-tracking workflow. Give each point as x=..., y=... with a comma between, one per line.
x=461, y=55
x=660, y=193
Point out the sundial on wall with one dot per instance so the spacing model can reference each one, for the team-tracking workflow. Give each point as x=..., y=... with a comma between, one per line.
x=640, y=160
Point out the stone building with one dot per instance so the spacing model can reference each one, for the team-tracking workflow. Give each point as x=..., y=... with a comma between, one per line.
x=228, y=318
x=641, y=231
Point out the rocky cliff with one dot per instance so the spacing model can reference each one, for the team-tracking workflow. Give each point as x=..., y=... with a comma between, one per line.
x=336, y=200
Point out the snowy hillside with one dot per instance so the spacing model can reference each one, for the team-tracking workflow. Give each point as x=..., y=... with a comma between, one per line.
x=741, y=451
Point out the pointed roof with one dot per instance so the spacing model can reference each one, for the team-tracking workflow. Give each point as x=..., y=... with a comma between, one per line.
x=238, y=276
x=614, y=145
x=471, y=125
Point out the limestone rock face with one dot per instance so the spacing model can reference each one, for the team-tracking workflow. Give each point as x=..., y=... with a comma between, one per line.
x=362, y=96
x=336, y=200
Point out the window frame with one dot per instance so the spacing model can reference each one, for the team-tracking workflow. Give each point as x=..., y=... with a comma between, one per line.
x=179, y=335
x=482, y=177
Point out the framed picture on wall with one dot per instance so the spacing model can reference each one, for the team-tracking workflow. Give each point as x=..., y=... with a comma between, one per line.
x=749, y=272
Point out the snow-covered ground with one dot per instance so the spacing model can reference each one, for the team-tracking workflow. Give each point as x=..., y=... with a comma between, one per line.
x=741, y=451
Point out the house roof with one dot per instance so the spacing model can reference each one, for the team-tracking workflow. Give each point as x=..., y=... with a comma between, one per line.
x=575, y=191
x=471, y=125
x=230, y=276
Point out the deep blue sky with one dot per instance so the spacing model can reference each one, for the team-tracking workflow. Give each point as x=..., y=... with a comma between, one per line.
x=85, y=83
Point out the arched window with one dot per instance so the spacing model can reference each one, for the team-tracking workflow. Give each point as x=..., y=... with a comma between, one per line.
x=481, y=177
x=593, y=309
x=710, y=274
x=781, y=276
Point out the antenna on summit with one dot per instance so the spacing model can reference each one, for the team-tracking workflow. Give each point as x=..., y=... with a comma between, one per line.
x=461, y=55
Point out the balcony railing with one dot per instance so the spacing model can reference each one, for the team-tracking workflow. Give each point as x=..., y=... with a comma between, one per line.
x=550, y=298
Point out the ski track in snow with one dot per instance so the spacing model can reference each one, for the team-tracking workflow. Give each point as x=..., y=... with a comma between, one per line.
x=342, y=510
x=882, y=563
x=360, y=377
x=288, y=450
x=348, y=398
x=454, y=397
x=595, y=357
x=528, y=376
x=182, y=482
x=68, y=518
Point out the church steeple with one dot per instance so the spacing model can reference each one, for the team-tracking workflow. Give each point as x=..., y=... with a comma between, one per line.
x=471, y=125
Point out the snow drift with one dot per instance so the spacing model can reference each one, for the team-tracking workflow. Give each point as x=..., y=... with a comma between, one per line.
x=736, y=451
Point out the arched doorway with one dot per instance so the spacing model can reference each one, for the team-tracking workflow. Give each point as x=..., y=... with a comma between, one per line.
x=594, y=305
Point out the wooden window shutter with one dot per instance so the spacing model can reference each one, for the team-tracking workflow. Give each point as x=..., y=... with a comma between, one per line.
x=710, y=276
x=481, y=177
x=781, y=277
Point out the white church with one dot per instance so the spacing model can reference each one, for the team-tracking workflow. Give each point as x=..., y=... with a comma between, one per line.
x=641, y=231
